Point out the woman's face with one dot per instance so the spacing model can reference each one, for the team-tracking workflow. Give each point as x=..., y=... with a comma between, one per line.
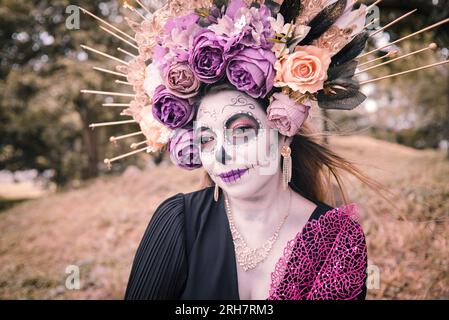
x=237, y=147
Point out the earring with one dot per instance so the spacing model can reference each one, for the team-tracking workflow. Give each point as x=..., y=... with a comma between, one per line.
x=286, y=166
x=216, y=191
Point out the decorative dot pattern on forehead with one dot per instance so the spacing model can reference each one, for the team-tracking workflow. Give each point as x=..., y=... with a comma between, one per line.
x=240, y=101
x=212, y=114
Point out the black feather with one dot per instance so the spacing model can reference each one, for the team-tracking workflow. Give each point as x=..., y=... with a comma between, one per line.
x=351, y=50
x=255, y=4
x=324, y=20
x=220, y=3
x=274, y=7
x=346, y=95
x=291, y=44
x=290, y=10
x=345, y=70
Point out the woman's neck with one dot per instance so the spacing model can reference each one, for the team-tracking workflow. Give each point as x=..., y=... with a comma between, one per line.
x=262, y=204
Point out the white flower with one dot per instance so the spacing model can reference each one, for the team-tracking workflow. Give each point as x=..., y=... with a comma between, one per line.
x=152, y=79
x=240, y=23
x=279, y=25
x=225, y=26
x=156, y=134
x=296, y=32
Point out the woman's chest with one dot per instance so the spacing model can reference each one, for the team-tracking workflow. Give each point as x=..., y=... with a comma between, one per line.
x=255, y=284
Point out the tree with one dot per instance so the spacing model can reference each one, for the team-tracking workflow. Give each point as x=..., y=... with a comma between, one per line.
x=45, y=117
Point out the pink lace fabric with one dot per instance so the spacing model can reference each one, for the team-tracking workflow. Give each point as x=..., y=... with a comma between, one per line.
x=326, y=261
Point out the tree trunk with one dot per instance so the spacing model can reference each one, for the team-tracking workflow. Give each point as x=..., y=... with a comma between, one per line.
x=446, y=124
x=89, y=141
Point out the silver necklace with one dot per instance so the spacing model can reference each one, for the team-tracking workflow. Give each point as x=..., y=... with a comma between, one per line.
x=248, y=258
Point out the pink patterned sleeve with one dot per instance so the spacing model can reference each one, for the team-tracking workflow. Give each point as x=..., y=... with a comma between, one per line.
x=327, y=261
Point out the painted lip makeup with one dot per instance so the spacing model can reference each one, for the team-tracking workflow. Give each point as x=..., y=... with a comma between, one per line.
x=233, y=175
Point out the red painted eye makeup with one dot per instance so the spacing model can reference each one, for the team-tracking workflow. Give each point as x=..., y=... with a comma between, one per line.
x=240, y=128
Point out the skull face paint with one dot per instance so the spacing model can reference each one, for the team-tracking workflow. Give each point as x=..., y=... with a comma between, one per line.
x=237, y=147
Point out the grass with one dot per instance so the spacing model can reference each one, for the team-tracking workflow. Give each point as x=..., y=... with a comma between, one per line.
x=99, y=226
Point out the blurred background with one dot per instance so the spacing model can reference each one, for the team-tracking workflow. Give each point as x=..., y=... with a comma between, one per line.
x=61, y=206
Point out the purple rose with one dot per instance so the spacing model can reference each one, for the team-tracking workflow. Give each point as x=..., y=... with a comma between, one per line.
x=206, y=57
x=171, y=111
x=252, y=71
x=183, y=151
x=286, y=115
x=181, y=81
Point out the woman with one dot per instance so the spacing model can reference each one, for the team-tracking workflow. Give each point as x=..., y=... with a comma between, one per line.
x=262, y=227
x=259, y=240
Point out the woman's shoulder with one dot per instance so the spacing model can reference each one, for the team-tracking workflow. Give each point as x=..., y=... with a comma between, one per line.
x=345, y=213
x=189, y=207
x=179, y=201
x=199, y=196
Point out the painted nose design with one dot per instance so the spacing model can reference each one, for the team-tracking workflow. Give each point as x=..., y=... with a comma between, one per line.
x=221, y=155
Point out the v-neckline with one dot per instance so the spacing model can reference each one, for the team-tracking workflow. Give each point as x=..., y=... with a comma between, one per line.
x=297, y=235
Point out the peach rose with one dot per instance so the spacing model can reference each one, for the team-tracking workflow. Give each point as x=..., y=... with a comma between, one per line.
x=303, y=70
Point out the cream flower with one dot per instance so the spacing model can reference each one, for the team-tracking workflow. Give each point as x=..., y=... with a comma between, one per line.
x=152, y=79
x=156, y=134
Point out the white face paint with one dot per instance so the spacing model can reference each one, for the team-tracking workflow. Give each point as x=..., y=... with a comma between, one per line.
x=239, y=150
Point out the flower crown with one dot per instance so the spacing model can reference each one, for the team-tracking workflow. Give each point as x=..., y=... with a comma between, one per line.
x=295, y=53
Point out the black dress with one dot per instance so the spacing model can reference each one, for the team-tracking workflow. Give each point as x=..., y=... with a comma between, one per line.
x=187, y=251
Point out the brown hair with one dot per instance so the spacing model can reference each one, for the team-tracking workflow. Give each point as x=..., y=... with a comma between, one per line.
x=315, y=167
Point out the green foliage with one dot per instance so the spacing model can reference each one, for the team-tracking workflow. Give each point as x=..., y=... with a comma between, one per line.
x=44, y=116
x=412, y=109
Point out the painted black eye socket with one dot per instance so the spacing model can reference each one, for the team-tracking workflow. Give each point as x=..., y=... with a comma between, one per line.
x=205, y=138
x=240, y=128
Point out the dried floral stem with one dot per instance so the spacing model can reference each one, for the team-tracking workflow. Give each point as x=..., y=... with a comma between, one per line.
x=123, y=82
x=110, y=72
x=431, y=46
x=371, y=6
x=137, y=144
x=106, y=23
x=390, y=54
x=407, y=37
x=126, y=52
x=143, y=7
x=119, y=37
x=104, y=54
x=132, y=9
x=405, y=72
x=109, y=93
x=113, y=139
x=393, y=22
x=113, y=123
x=116, y=104
x=109, y=161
